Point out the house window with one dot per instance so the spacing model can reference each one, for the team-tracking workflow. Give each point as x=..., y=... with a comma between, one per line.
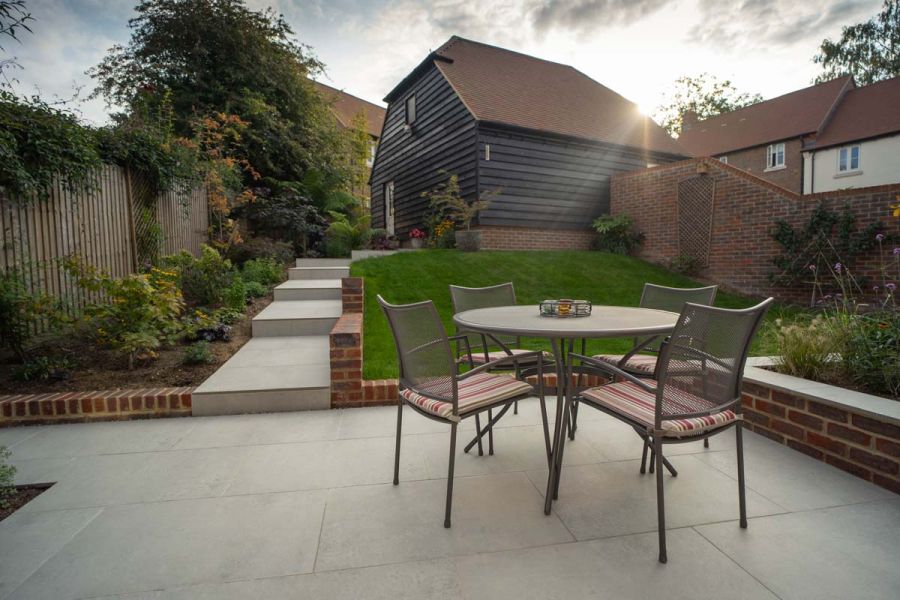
x=411, y=110
x=723, y=159
x=487, y=152
x=848, y=159
x=775, y=156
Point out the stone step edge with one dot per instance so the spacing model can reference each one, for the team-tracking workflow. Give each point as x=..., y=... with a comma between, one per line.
x=96, y=405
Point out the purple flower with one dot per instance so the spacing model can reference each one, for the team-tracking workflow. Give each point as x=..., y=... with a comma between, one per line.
x=876, y=288
x=838, y=267
x=879, y=237
x=891, y=287
x=897, y=251
x=811, y=268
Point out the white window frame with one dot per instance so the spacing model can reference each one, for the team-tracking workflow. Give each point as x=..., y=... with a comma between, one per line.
x=772, y=152
x=850, y=169
x=389, y=206
x=409, y=116
x=723, y=159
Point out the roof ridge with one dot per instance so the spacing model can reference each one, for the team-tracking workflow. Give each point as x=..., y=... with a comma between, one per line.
x=457, y=38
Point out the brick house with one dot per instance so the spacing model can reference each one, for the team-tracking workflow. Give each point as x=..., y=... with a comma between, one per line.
x=768, y=139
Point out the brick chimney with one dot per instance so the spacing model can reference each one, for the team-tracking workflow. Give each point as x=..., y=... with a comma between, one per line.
x=688, y=120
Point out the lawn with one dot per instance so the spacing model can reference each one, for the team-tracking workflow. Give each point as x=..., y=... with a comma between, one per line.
x=599, y=277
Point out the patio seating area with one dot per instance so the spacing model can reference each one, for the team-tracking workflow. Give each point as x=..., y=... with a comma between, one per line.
x=301, y=505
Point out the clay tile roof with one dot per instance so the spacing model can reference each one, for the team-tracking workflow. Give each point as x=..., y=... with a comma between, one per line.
x=502, y=86
x=866, y=112
x=345, y=107
x=788, y=116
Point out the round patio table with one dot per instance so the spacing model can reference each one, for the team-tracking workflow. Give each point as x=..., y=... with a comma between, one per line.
x=603, y=322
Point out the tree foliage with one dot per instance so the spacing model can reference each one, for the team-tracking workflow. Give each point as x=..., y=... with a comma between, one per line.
x=218, y=56
x=869, y=51
x=705, y=95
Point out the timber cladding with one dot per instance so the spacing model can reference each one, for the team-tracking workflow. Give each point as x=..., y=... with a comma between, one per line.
x=746, y=208
x=101, y=225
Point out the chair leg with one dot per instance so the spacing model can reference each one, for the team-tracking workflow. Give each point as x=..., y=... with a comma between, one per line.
x=516, y=407
x=397, y=448
x=573, y=419
x=652, y=459
x=644, y=457
x=449, y=505
x=660, y=499
x=478, y=436
x=490, y=433
x=742, y=500
x=706, y=442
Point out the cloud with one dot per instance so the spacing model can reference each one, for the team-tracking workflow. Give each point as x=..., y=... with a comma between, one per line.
x=763, y=23
x=586, y=15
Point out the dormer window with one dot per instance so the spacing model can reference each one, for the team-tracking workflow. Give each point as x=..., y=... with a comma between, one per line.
x=411, y=110
x=775, y=156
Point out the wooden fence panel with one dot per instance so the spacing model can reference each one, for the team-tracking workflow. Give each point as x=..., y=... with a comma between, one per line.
x=99, y=225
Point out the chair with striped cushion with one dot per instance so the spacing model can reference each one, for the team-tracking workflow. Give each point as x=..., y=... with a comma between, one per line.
x=682, y=404
x=431, y=385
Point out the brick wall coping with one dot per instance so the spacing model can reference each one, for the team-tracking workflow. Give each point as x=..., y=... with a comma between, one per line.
x=883, y=409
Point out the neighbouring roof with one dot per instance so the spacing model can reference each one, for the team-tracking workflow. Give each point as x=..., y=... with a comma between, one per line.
x=792, y=115
x=345, y=107
x=866, y=112
x=506, y=87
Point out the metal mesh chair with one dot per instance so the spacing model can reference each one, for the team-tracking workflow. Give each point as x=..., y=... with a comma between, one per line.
x=430, y=384
x=642, y=358
x=697, y=392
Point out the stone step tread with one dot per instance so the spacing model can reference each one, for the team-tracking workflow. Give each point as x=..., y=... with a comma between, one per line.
x=270, y=364
x=322, y=262
x=300, y=309
x=306, y=284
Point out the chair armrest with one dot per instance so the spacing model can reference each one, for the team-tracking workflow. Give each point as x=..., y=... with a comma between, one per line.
x=637, y=348
x=608, y=368
x=514, y=358
x=465, y=339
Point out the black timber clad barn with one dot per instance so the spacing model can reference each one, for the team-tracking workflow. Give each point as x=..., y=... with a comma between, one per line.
x=544, y=135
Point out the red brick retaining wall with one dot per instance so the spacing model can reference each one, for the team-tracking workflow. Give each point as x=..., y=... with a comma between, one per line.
x=526, y=238
x=859, y=444
x=104, y=405
x=744, y=215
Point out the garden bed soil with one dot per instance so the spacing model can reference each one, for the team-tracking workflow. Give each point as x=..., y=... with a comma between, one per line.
x=22, y=495
x=101, y=369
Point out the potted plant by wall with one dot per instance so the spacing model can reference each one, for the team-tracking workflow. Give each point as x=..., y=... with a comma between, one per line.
x=445, y=199
x=417, y=238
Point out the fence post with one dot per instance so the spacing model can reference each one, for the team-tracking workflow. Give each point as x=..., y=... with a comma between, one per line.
x=132, y=236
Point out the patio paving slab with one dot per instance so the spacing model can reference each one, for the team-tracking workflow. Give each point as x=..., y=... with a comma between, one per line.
x=383, y=524
x=143, y=547
x=272, y=428
x=834, y=553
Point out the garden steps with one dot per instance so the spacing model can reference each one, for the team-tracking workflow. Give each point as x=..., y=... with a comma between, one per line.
x=309, y=289
x=297, y=317
x=269, y=374
x=326, y=272
x=322, y=262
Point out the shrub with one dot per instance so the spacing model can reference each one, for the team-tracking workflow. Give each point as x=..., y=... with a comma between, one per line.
x=261, y=247
x=616, y=234
x=871, y=353
x=7, y=477
x=203, y=281
x=235, y=296
x=807, y=349
x=380, y=239
x=44, y=368
x=264, y=271
x=443, y=235
x=686, y=265
x=139, y=313
x=198, y=353
x=288, y=216
x=346, y=234
x=21, y=311
x=255, y=289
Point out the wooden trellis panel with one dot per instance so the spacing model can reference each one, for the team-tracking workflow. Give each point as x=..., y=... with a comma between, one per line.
x=696, y=198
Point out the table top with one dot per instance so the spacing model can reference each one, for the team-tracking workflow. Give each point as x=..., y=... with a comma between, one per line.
x=604, y=321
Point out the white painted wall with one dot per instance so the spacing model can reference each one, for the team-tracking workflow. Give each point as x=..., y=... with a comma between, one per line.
x=879, y=164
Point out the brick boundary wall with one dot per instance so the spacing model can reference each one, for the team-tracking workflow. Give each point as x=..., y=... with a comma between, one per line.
x=103, y=405
x=861, y=445
x=527, y=238
x=744, y=215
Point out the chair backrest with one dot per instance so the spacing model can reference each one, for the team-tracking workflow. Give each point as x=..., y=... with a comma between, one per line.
x=423, y=350
x=701, y=364
x=672, y=299
x=466, y=298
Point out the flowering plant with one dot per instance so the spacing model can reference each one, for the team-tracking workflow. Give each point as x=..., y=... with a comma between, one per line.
x=417, y=233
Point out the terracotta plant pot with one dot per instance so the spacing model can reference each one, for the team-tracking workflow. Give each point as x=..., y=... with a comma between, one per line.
x=468, y=240
x=416, y=243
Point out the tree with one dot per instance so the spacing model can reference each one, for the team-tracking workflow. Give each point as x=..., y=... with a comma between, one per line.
x=704, y=95
x=219, y=57
x=868, y=51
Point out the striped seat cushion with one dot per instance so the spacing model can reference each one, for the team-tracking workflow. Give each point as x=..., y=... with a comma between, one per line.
x=641, y=364
x=630, y=400
x=475, y=392
x=478, y=357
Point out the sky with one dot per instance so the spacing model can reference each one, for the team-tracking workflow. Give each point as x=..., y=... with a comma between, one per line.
x=636, y=47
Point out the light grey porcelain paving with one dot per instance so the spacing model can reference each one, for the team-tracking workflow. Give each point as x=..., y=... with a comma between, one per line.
x=315, y=272
x=615, y=440
x=309, y=289
x=300, y=505
x=10, y=436
x=144, y=547
x=27, y=540
x=608, y=499
x=614, y=568
x=322, y=262
x=835, y=553
x=373, y=525
x=296, y=318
